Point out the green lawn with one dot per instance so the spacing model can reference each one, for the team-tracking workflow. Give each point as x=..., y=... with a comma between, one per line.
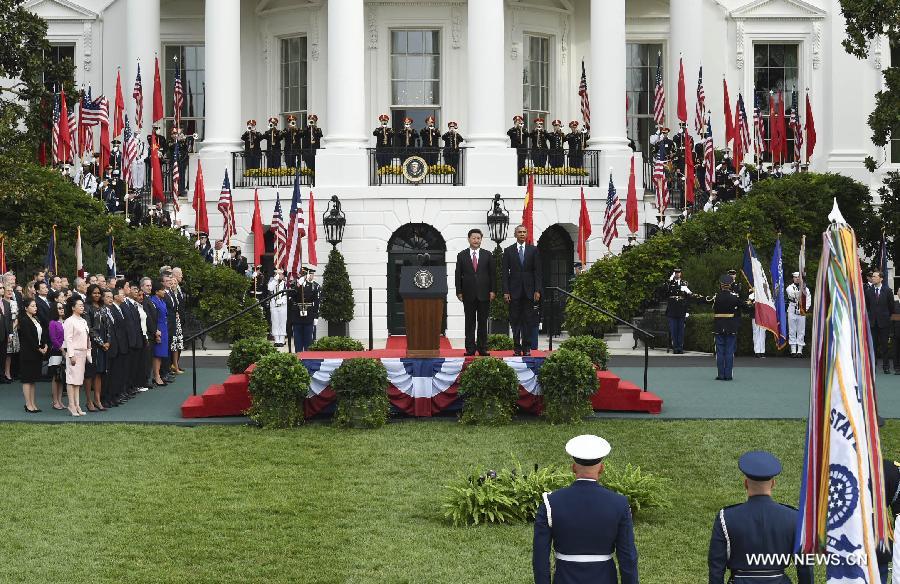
x=109, y=503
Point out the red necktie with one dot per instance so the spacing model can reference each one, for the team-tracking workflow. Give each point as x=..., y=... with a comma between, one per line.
x=475, y=260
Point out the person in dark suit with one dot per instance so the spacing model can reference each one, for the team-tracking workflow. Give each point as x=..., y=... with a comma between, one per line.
x=153, y=333
x=760, y=526
x=118, y=368
x=475, y=289
x=880, y=307
x=892, y=497
x=522, y=286
x=34, y=339
x=676, y=309
x=518, y=139
x=134, y=382
x=6, y=325
x=726, y=322
x=586, y=524
x=44, y=312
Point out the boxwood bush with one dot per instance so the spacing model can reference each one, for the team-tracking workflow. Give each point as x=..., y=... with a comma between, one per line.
x=491, y=389
x=594, y=348
x=360, y=386
x=278, y=386
x=499, y=343
x=568, y=380
x=245, y=352
x=336, y=344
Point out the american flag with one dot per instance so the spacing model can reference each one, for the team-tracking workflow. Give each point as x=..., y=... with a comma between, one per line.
x=179, y=96
x=709, y=158
x=585, y=101
x=759, y=131
x=700, y=114
x=661, y=184
x=94, y=112
x=226, y=207
x=743, y=129
x=176, y=177
x=612, y=215
x=796, y=127
x=295, y=233
x=73, y=135
x=54, y=133
x=280, y=230
x=138, y=95
x=129, y=150
x=659, y=106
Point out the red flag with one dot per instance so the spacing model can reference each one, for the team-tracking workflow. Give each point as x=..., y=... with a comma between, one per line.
x=584, y=230
x=736, y=134
x=2, y=255
x=311, y=236
x=201, y=221
x=782, y=129
x=688, y=169
x=118, y=119
x=729, y=123
x=256, y=227
x=682, y=100
x=631, y=204
x=528, y=210
x=105, y=148
x=156, y=184
x=774, y=141
x=810, y=130
x=64, y=136
x=158, y=113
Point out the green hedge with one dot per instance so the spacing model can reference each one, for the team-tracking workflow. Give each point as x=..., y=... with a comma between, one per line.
x=336, y=344
x=568, y=380
x=594, y=348
x=360, y=386
x=497, y=342
x=278, y=386
x=245, y=352
x=491, y=389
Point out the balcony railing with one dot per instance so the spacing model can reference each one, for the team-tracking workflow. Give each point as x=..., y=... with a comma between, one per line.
x=559, y=167
x=445, y=166
x=277, y=170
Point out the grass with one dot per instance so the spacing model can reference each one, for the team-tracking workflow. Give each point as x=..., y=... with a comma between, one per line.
x=111, y=503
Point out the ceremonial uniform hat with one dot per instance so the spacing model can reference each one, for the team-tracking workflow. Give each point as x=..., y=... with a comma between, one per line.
x=116, y=142
x=726, y=280
x=577, y=265
x=291, y=118
x=251, y=122
x=312, y=118
x=407, y=120
x=202, y=234
x=538, y=120
x=587, y=449
x=795, y=275
x=384, y=118
x=273, y=120
x=678, y=270
x=518, y=118
x=452, y=125
x=665, y=130
x=429, y=120
x=557, y=122
x=759, y=465
x=732, y=272
x=573, y=124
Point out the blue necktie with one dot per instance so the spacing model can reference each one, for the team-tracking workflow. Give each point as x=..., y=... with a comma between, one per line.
x=522, y=255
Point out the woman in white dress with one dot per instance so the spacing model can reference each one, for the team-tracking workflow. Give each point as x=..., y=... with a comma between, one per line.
x=278, y=307
x=77, y=349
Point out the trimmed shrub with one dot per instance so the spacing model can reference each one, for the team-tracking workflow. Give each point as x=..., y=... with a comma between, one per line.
x=336, y=344
x=490, y=388
x=499, y=343
x=337, y=293
x=278, y=386
x=361, y=388
x=594, y=348
x=245, y=352
x=499, y=308
x=568, y=380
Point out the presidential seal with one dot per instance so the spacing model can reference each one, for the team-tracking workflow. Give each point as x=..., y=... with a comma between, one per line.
x=423, y=279
x=415, y=169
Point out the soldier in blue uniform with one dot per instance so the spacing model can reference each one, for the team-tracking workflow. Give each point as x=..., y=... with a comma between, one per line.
x=759, y=526
x=430, y=139
x=555, y=141
x=538, y=138
x=311, y=140
x=273, y=139
x=577, y=144
x=452, y=139
x=518, y=139
x=892, y=496
x=678, y=295
x=585, y=523
x=384, y=141
x=292, y=141
x=726, y=321
x=251, y=139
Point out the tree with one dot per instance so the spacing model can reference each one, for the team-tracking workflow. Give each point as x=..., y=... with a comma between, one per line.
x=889, y=211
x=866, y=21
x=337, y=293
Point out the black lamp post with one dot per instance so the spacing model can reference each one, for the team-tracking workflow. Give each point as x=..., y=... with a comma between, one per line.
x=334, y=221
x=498, y=220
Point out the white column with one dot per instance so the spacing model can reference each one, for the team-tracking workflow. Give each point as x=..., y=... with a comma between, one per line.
x=343, y=160
x=685, y=41
x=223, y=123
x=142, y=32
x=606, y=88
x=489, y=160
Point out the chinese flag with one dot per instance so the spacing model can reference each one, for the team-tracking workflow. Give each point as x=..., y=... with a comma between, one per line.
x=311, y=236
x=64, y=136
x=118, y=121
x=810, y=130
x=584, y=229
x=774, y=140
x=156, y=185
x=105, y=147
x=528, y=210
x=782, y=130
x=729, y=124
x=688, y=169
x=256, y=227
x=201, y=221
x=631, y=203
x=682, y=101
x=158, y=113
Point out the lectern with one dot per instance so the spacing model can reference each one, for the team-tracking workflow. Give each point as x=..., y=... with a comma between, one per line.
x=424, y=292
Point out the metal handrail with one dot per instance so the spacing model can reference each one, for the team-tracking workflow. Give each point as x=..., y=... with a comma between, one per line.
x=647, y=335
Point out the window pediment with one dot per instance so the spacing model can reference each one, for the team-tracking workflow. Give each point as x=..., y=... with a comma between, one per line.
x=778, y=9
x=59, y=10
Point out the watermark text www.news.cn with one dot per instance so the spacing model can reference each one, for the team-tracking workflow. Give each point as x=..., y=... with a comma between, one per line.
x=806, y=559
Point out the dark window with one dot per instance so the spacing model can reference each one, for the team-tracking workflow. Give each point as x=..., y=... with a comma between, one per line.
x=640, y=90
x=190, y=62
x=536, y=80
x=415, y=77
x=57, y=54
x=776, y=71
x=293, y=79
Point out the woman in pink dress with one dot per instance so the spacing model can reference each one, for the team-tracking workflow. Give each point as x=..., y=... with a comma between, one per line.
x=77, y=347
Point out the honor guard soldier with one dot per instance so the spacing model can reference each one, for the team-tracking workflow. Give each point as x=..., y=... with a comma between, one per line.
x=577, y=140
x=292, y=142
x=160, y=142
x=303, y=309
x=518, y=139
x=452, y=139
x=88, y=182
x=555, y=141
x=252, y=150
x=311, y=141
x=678, y=295
x=799, y=301
x=407, y=137
x=204, y=247
x=115, y=160
x=538, y=137
x=663, y=145
x=726, y=321
x=178, y=154
x=273, y=144
x=384, y=142
x=758, y=528
x=430, y=140
x=585, y=523
x=680, y=139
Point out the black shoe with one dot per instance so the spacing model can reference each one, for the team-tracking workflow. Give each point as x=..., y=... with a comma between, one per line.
x=469, y=353
x=526, y=352
x=729, y=378
x=888, y=371
x=517, y=352
x=488, y=354
x=896, y=371
x=720, y=379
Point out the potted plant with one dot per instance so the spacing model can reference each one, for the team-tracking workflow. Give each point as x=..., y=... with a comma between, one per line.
x=278, y=386
x=490, y=388
x=337, y=295
x=360, y=386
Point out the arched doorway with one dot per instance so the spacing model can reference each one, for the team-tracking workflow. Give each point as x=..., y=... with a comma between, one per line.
x=404, y=247
x=557, y=256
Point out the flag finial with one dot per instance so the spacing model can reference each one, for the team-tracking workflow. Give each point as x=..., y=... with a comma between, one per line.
x=835, y=216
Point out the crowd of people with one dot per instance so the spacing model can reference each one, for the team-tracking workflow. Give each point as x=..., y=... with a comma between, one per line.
x=110, y=337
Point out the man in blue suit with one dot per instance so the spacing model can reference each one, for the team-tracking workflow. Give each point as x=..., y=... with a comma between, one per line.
x=586, y=523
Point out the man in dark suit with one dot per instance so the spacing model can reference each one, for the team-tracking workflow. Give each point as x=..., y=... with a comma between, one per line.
x=6, y=326
x=880, y=307
x=522, y=285
x=153, y=333
x=118, y=367
x=43, y=303
x=475, y=289
x=134, y=381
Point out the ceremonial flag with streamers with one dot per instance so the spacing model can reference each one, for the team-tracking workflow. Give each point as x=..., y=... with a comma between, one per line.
x=759, y=131
x=690, y=176
x=631, y=204
x=313, y=237
x=176, y=174
x=110, y=257
x=584, y=230
x=797, y=129
x=226, y=208
x=201, y=220
x=843, y=509
x=50, y=260
x=296, y=232
x=801, y=267
x=178, y=96
x=280, y=230
x=158, y=112
x=659, y=101
x=763, y=302
x=729, y=122
x=129, y=150
x=528, y=210
x=585, y=100
x=256, y=227
x=682, y=98
x=709, y=158
x=777, y=270
x=138, y=95
x=118, y=120
x=79, y=261
x=774, y=141
x=700, y=113
x=810, y=130
x=612, y=215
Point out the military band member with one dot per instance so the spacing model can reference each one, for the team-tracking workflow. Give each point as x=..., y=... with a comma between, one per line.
x=384, y=141
x=304, y=299
x=311, y=141
x=555, y=141
x=726, y=321
x=407, y=137
x=252, y=149
x=292, y=141
x=430, y=139
x=538, y=139
x=178, y=154
x=204, y=247
x=273, y=139
x=110, y=197
x=115, y=160
x=758, y=528
x=88, y=182
x=452, y=139
x=585, y=524
x=577, y=140
x=680, y=139
x=797, y=295
x=278, y=307
x=518, y=139
x=678, y=294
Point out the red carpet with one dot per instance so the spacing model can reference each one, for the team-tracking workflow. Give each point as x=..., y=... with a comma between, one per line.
x=398, y=343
